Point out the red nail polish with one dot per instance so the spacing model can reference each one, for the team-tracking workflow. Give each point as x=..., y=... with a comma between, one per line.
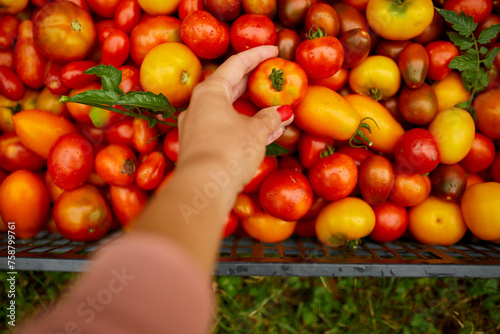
x=285, y=112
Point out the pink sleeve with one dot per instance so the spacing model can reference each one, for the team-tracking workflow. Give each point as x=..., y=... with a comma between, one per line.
x=140, y=284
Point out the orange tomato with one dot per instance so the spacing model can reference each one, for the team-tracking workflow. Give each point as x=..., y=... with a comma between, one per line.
x=387, y=130
x=437, y=221
x=450, y=91
x=81, y=112
x=173, y=70
x=480, y=203
x=410, y=190
x=39, y=130
x=266, y=228
x=50, y=102
x=347, y=219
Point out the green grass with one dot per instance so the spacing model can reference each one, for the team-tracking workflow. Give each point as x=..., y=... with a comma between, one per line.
x=321, y=305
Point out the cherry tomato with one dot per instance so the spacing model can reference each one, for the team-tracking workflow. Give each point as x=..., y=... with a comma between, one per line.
x=391, y=222
x=418, y=106
x=323, y=15
x=104, y=8
x=480, y=156
x=440, y=55
x=413, y=64
x=292, y=13
x=127, y=15
x=10, y=85
x=266, y=228
x=230, y=225
x=187, y=7
x=321, y=56
x=127, y=202
x=244, y=106
x=343, y=220
x=375, y=179
x=277, y=81
x=268, y=165
x=82, y=214
x=356, y=43
x=116, y=164
x=14, y=155
x=72, y=74
x=9, y=26
x=267, y=7
x=286, y=194
x=251, y=30
x=207, y=37
x=480, y=205
x=358, y=154
x=63, y=32
x=479, y=9
x=24, y=200
x=290, y=162
x=310, y=147
x=116, y=48
x=437, y=222
x=333, y=177
x=131, y=80
x=153, y=32
x=287, y=41
x=335, y=82
x=410, y=190
x=171, y=144
x=417, y=152
x=488, y=113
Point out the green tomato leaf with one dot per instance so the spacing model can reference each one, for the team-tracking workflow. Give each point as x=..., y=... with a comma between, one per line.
x=483, y=50
x=490, y=57
x=464, y=63
x=110, y=76
x=463, y=42
x=464, y=105
x=275, y=149
x=462, y=23
x=488, y=34
x=152, y=121
x=148, y=100
x=483, y=79
x=469, y=78
x=93, y=97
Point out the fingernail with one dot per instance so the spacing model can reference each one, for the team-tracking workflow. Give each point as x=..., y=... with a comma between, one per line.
x=285, y=112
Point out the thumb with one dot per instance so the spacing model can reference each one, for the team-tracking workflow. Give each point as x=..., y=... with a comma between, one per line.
x=272, y=122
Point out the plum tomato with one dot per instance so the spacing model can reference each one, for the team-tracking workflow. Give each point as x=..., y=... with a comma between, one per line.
x=413, y=64
x=276, y=82
x=376, y=179
x=127, y=15
x=205, y=35
x=116, y=164
x=82, y=214
x=266, y=228
x=391, y=49
x=115, y=49
x=151, y=170
x=73, y=76
x=448, y=181
x=286, y=194
x=347, y=219
x=268, y=165
x=144, y=138
x=251, y=30
x=480, y=156
x=333, y=177
x=391, y=222
x=416, y=152
x=26, y=53
x=70, y=161
x=11, y=85
x=350, y=17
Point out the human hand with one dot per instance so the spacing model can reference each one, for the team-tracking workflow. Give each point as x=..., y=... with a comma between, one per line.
x=212, y=130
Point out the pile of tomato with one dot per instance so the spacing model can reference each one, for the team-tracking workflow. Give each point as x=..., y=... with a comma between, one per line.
x=377, y=147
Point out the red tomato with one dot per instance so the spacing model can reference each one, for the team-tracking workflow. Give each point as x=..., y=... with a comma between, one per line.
x=440, y=55
x=120, y=132
x=310, y=148
x=9, y=26
x=286, y=194
x=495, y=168
x=116, y=48
x=116, y=164
x=448, y=181
x=488, y=113
x=268, y=165
x=127, y=202
x=323, y=15
x=289, y=138
x=144, y=138
x=230, y=225
x=150, y=171
x=25, y=201
x=82, y=214
x=251, y=30
x=152, y=32
x=52, y=78
x=306, y=228
x=127, y=15
x=207, y=37
x=26, y=53
x=10, y=85
x=410, y=190
x=333, y=177
x=290, y=162
x=479, y=9
x=357, y=44
x=64, y=32
x=131, y=80
x=14, y=155
x=187, y=7
x=480, y=156
x=416, y=152
x=287, y=41
x=321, y=57
x=277, y=81
x=376, y=179
x=358, y=154
x=244, y=106
x=72, y=74
x=244, y=206
x=104, y=8
x=171, y=144
x=70, y=161
x=391, y=222
x=7, y=58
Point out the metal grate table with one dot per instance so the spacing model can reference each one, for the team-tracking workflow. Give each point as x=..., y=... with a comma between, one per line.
x=292, y=257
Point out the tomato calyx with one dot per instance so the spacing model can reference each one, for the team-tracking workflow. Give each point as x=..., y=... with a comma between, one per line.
x=276, y=78
x=399, y=2
x=316, y=32
x=375, y=94
x=358, y=139
x=128, y=167
x=15, y=109
x=328, y=150
x=76, y=25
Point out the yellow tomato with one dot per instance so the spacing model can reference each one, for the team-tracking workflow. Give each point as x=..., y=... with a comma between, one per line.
x=377, y=77
x=8, y=108
x=399, y=20
x=387, y=132
x=159, y=7
x=12, y=7
x=173, y=70
x=480, y=204
x=347, y=219
x=454, y=130
x=450, y=91
x=325, y=113
x=437, y=221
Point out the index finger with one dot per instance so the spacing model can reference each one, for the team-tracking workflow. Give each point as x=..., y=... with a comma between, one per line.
x=237, y=66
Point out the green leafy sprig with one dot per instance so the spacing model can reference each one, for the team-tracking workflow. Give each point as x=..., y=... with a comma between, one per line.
x=135, y=104
x=477, y=58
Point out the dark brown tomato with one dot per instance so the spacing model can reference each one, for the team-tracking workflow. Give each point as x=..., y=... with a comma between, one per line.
x=224, y=10
x=391, y=49
x=357, y=44
x=432, y=32
x=375, y=179
x=418, y=106
x=292, y=13
x=116, y=164
x=323, y=15
x=263, y=7
x=448, y=181
x=287, y=41
x=413, y=64
x=350, y=17
x=14, y=155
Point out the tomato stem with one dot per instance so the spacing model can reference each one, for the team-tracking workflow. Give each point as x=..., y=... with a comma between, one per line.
x=76, y=25
x=328, y=150
x=359, y=138
x=184, y=77
x=375, y=94
x=276, y=77
x=316, y=32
